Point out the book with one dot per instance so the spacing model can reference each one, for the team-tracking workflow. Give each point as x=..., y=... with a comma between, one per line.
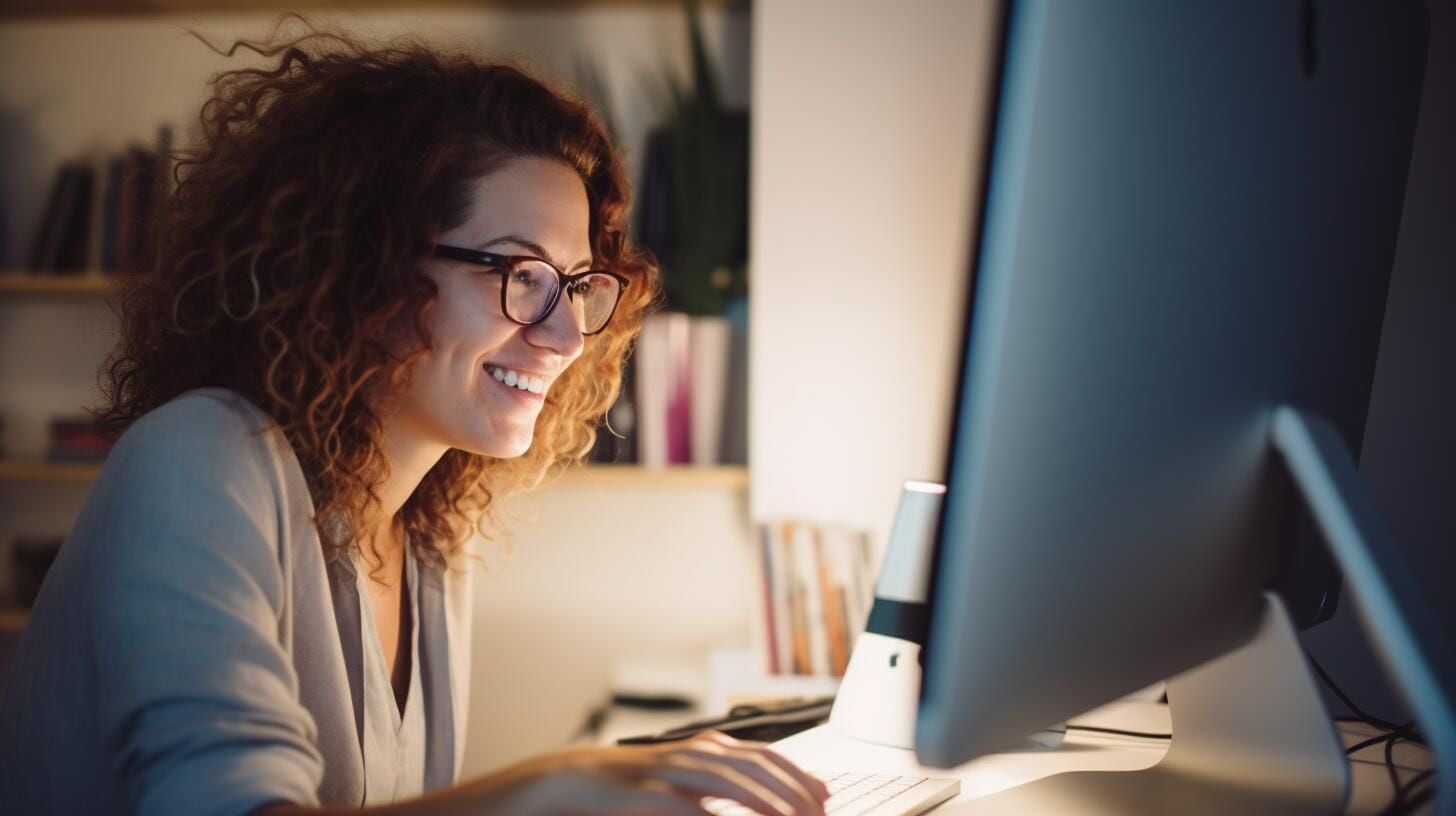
x=765, y=643
x=76, y=439
x=846, y=556
x=811, y=593
x=41, y=243
x=796, y=603
x=783, y=621
x=710, y=345
x=804, y=541
x=49, y=244
x=96, y=213
x=661, y=368
x=831, y=593
x=735, y=409
x=75, y=232
x=110, y=213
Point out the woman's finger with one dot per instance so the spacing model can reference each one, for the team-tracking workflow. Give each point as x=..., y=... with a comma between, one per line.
x=703, y=778
x=809, y=781
x=758, y=765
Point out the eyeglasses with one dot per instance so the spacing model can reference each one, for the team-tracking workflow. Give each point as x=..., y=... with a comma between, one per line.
x=532, y=287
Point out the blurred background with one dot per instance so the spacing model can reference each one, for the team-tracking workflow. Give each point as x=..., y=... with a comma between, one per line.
x=815, y=262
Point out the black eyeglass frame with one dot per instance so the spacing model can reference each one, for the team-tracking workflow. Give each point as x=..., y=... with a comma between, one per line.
x=500, y=264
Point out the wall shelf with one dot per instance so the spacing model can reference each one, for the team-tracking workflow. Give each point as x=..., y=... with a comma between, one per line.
x=22, y=470
x=721, y=477
x=13, y=620
x=69, y=283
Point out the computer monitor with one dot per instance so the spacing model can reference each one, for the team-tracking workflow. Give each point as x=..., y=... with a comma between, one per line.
x=1179, y=278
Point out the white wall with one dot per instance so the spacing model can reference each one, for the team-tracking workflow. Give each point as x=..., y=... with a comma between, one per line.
x=867, y=123
x=605, y=572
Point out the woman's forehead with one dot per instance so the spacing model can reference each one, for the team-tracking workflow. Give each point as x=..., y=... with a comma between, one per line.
x=541, y=200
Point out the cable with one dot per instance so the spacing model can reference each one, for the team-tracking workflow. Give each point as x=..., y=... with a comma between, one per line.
x=1366, y=743
x=1404, y=799
x=1409, y=801
x=591, y=724
x=1345, y=698
x=1118, y=731
x=1390, y=768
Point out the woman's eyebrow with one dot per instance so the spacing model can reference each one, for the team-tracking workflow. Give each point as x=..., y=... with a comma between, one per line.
x=534, y=248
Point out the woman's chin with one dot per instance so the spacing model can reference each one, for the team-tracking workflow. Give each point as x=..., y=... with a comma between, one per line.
x=497, y=448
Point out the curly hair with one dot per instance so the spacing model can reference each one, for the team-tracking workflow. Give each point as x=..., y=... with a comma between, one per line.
x=292, y=242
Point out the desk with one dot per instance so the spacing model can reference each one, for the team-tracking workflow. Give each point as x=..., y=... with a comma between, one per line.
x=820, y=748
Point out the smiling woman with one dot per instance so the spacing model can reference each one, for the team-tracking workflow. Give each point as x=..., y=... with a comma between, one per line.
x=392, y=286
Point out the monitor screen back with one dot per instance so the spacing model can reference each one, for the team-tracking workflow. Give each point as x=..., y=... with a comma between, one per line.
x=1190, y=218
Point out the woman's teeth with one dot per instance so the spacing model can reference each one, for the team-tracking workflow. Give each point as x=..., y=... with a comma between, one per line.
x=515, y=379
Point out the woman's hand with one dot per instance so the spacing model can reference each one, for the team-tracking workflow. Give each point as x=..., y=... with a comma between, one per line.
x=665, y=778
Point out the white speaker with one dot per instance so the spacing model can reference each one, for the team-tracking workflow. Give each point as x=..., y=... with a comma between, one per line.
x=877, y=698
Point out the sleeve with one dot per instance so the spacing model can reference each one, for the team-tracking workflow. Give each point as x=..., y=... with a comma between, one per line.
x=199, y=706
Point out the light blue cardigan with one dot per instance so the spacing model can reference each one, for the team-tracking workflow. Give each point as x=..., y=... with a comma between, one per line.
x=191, y=652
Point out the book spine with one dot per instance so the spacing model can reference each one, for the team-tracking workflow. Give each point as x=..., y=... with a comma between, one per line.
x=805, y=538
x=96, y=214
x=832, y=594
x=47, y=226
x=649, y=362
x=798, y=601
x=766, y=646
x=783, y=619
x=679, y=397
x=59, y=225
x=710, y=344
x=71, y=256
x=110, y=213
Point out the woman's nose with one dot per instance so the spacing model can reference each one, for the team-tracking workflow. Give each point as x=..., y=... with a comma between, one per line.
x=559, y=332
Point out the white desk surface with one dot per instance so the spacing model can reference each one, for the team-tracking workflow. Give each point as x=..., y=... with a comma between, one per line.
x=821, y=749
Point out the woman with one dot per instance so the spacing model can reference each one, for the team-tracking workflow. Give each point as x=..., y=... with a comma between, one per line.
x=391, y=286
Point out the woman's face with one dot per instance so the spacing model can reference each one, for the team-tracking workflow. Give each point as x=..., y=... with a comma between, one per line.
x=529, y=206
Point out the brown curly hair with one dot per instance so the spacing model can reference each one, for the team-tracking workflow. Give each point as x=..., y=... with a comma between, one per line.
x=292, y=243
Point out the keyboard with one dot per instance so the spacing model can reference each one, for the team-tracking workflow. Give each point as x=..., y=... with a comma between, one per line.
x=854, y=793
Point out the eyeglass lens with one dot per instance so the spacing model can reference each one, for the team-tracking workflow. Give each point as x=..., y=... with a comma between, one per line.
x=531, y=285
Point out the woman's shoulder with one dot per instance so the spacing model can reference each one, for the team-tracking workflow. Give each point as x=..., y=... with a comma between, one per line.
x=206, y=411
x=203, y=430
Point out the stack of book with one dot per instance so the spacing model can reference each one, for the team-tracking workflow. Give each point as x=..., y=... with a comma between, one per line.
x=814, y=588
x=683, y=399
x=76, y=439
x=99, y=210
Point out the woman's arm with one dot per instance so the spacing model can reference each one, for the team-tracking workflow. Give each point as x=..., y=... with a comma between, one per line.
x=667, y=778
x=198, y=707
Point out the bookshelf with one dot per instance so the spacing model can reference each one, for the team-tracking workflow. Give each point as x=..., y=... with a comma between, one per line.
x=137, y=8
x=721, y=477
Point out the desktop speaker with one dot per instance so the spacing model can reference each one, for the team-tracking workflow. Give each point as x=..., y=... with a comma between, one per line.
x=877, y=698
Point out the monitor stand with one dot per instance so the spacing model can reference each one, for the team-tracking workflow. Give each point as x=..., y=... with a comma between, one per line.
x=1250, y=734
